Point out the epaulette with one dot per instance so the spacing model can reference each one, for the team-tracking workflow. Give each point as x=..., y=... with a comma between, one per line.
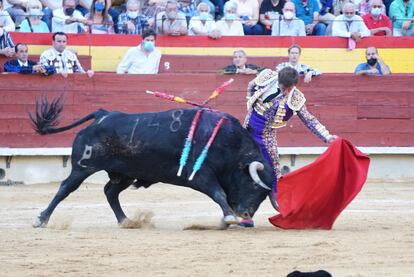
x=265, y=77
x=296, y=100
x=70, y=55
x=49, y=55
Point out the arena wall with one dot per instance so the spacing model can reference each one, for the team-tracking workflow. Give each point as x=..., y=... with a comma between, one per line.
x=329, y=54
x=375, y=113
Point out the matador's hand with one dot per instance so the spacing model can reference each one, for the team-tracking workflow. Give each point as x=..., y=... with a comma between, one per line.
x=332, y=138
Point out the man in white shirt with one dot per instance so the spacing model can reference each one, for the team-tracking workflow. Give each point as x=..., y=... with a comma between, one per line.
x=288, y=24
x=143, y=59
x=203, y=24
x=67, y=19
x=349, y=24
x=171, y=22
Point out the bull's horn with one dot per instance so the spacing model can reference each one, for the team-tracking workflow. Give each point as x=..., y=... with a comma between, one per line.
x=273, y=200
x=253, y=168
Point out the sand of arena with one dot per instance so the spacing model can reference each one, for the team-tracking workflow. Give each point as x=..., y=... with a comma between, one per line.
x=374, y=236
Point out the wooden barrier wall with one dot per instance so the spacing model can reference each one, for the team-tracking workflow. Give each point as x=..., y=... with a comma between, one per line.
x=369, y=111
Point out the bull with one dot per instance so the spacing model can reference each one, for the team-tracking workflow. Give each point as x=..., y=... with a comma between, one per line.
x=145, y=148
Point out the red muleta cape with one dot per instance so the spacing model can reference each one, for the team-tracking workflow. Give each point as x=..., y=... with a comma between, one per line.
x=312, y=197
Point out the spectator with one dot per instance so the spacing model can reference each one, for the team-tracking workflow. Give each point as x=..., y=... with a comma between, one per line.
x=171, y=22
x=269, y=11
x=402, y=11
x=98, y=19
x=230, y=25
x=377, y=22
x=248, y=12
x=6, y=44
x=308, y=11
x=25, y=66
x=326, y=15
x=338, y=6
x=33, y=23
x=63, y=60
x=289, y=25
x=294, y=53
x=6, y=21
x=374, y=65
x=143, y=59
x=240, y=65
x=150, y=10
x=83, y=6
x=132, y=22
x=67, y=19
x=188, y=8
x=16, y=9
x=48, y=7
x=350, y=25
x=203, y=23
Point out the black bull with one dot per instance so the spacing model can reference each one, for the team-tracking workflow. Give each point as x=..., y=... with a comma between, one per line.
x=147, y=147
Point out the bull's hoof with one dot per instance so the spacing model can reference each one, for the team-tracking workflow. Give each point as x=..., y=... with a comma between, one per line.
x=247, y=223
x=230, y=219
x=39, y=223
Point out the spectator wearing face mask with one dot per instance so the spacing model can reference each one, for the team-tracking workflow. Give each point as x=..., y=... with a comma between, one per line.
x=203, y=23
x=67, y=19
x=350, y=25
x=376, y=21
x=143, y=59
x=98, y=19
x=171, y=22
x=403, y=13
x=33, y=22
x=230, y=25
x=374, y=65
x=289, y=24
x=132, y=22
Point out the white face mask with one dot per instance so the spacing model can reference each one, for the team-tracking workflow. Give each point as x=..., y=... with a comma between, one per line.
x=288, y=15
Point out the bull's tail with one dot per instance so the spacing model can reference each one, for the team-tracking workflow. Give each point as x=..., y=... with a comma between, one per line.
x=48, y=114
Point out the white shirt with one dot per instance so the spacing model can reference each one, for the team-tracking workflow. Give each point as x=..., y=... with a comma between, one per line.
x=136, y=61
x=195, y=23
x=342, y=27
x=26, y=64
x=235, y=29
x=294, y=27
x=59, y=25
x=6, y=21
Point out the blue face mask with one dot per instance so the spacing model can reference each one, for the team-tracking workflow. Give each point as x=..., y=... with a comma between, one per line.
x=204, y=16
x=132, y=15
x=230, y=16
x=99, y=6
x=149, y=46
x=376, y=11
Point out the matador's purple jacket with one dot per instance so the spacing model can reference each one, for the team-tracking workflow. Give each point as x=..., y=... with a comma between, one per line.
x=269, y=109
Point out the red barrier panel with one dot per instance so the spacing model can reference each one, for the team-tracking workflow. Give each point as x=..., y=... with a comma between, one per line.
x=369, y=111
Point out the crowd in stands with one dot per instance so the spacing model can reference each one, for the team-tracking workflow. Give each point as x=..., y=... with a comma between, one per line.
x=215, y=18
